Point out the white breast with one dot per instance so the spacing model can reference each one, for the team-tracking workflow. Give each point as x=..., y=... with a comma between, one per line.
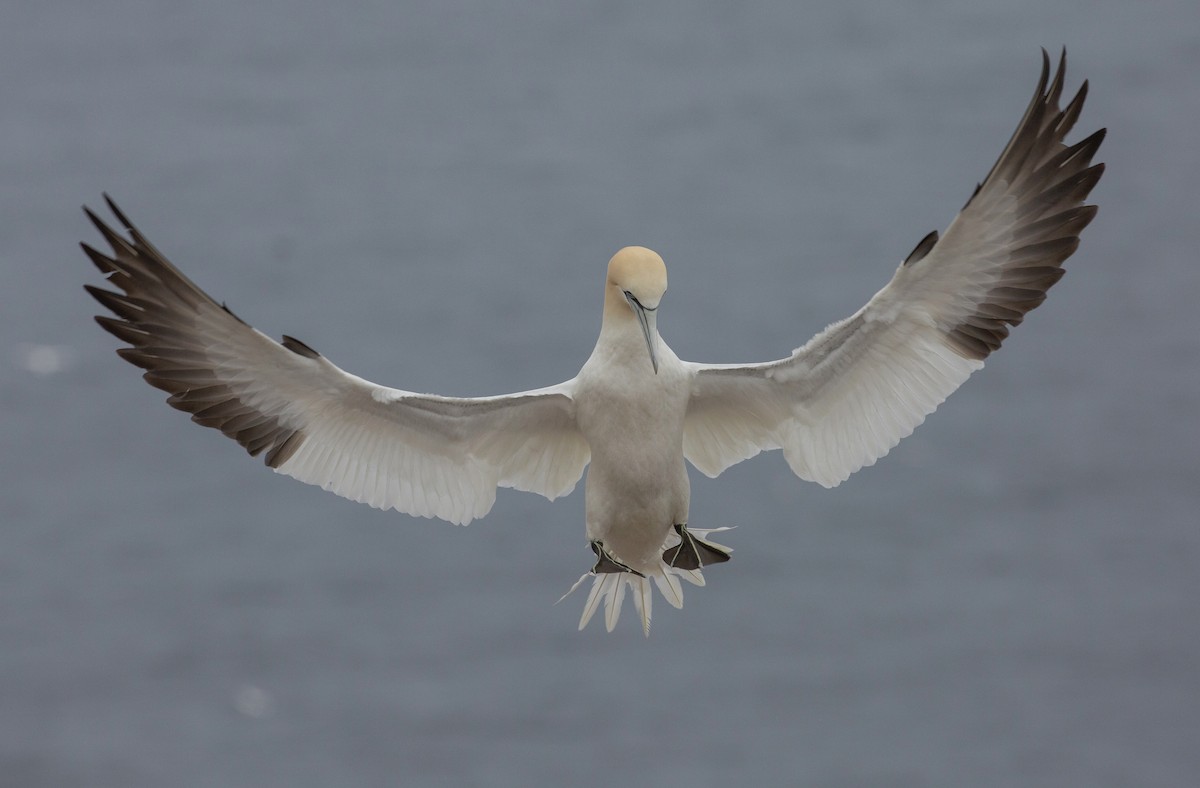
x=632, y=418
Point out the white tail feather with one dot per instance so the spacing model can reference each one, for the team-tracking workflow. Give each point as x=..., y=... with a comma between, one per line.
x=609, y=587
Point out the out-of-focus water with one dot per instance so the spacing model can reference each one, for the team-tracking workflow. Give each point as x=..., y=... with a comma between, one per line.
x=428, y=193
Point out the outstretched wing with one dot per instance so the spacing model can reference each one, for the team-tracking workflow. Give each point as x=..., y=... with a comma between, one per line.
x=848, y=396
x=422, y=454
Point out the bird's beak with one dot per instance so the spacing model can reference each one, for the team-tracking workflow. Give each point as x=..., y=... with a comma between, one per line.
x=648, y=319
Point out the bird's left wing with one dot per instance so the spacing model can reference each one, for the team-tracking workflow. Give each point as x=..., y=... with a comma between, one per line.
x=856, y=389
x=421, y=454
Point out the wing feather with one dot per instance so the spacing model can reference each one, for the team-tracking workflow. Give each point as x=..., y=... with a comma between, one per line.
x=422, y=454
x=855, y=390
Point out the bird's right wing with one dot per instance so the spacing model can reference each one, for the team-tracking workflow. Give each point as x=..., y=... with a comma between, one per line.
x=859, y=387
x=421, y=454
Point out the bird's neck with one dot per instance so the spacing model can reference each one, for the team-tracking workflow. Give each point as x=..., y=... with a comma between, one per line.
x=616, y=308
x=621, y=342
x=618, y=323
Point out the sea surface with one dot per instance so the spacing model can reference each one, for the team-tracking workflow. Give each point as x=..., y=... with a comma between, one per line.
x=427, y=193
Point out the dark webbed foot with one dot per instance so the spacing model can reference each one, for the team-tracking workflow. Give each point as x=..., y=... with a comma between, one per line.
x=693, y=553
x=606, y=564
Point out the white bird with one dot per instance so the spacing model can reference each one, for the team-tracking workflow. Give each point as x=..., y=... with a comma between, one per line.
x=635, y=411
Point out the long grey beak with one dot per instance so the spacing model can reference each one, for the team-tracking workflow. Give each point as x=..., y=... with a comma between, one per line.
x=648, y=319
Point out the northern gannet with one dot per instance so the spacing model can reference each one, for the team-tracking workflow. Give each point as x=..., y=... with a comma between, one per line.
x=635, y=411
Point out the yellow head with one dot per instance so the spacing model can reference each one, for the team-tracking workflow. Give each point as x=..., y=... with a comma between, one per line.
x=637, y=279
x=639, y=272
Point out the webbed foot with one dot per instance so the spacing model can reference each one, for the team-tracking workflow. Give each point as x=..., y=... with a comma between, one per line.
x=606, y=564
x=693, y=553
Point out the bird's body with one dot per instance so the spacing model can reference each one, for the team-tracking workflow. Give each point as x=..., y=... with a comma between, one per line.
x=631, y=415
x=637, y=483
x=635, y=414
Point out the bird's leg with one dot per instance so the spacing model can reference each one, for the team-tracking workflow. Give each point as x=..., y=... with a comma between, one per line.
x=605, y=563
x=693, y=553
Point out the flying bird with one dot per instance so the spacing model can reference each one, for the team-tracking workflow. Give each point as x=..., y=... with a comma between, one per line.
x=635, y=412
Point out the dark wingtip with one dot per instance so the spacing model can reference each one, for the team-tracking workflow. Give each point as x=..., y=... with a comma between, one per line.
x=112, y=206
x=96, y=220
x=99, y=259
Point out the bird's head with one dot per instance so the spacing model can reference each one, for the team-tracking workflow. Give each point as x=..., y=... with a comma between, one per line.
x=637, y=279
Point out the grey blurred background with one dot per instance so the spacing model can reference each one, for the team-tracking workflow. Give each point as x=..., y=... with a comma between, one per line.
x=428, y=193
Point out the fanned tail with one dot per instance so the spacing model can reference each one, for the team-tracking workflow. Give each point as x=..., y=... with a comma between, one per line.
x=610, y=588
